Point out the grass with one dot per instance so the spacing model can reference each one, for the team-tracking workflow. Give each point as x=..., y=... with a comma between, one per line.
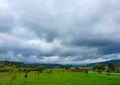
x=58, y=77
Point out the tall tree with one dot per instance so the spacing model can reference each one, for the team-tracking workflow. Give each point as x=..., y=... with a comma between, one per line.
x=111, y=67
x=98, y=67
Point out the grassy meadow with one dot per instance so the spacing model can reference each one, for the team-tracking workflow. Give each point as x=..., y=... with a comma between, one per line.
x=59, y=77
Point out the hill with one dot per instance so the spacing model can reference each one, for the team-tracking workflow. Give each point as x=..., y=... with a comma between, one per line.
x=21, y=64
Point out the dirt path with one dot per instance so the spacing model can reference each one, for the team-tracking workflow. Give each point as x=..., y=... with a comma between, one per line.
x=106, y=73
x=111, y=73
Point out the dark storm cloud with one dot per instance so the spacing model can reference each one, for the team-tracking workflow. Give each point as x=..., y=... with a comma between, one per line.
x=60, y=31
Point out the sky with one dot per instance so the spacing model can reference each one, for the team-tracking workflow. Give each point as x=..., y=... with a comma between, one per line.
x=59, y=31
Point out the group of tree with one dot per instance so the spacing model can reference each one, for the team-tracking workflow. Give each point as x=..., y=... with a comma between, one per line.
x=100, y=68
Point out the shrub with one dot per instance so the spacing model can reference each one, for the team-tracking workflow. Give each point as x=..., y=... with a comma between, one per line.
x=86, y=71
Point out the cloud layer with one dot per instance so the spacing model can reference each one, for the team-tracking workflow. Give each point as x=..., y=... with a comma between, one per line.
x=59, y=31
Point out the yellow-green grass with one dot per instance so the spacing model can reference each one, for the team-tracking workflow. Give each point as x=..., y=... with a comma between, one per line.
x=59, y=77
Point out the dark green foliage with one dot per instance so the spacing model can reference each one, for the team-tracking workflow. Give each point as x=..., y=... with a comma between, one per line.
x=9, y=63
x=117, y=67
x=40, y=69
x=77, y=68
x=111, y=67
x=66, y=68
x=86, y=71
x=27, y=70
x=4, y=69
x=99, y=68
x=26, y=74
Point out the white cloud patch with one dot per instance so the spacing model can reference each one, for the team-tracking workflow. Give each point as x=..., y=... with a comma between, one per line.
x=44, y=46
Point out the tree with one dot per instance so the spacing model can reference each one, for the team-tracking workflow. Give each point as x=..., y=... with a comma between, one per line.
x=13, y=72
x=26, y=72
x=66, y=67
x=98, y=67
x=86, y=71
x=111, y=67
x=40, y=69
x=107, y=70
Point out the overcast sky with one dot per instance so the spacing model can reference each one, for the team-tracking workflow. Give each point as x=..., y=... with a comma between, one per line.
x=59, y=31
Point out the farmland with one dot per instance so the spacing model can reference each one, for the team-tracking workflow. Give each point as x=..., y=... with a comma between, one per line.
x=58, y=76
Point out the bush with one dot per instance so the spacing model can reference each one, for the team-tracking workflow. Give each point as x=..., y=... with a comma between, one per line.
x=86, y=71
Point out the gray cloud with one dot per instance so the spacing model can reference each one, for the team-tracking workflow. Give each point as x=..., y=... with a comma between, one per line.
x=59, y=31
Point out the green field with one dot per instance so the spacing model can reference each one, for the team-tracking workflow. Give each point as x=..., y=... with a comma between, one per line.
x=58, y=77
